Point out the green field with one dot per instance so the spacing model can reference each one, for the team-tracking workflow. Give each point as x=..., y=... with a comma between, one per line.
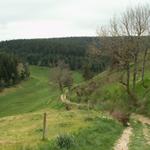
x=21, y=117
x=34, y=94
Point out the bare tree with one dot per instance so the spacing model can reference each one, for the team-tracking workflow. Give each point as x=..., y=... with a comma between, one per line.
x=122, y=41
x=118, y=47
x=140, y=22
x=62, y=76
x=146, y=48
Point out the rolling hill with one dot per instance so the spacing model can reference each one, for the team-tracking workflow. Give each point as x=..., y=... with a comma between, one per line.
x=47, y=52
x=22, y=108
x=21, y=118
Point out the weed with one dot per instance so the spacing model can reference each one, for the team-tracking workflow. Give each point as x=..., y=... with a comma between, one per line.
x=65, y=141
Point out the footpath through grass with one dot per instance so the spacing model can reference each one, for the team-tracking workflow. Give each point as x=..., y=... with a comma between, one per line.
x=21, y=118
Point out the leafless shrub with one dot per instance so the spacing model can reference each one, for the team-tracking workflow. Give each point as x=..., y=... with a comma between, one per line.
x=121, y=117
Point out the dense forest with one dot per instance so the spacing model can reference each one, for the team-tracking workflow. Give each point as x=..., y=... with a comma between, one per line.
x=47, y=52
x=12, y=70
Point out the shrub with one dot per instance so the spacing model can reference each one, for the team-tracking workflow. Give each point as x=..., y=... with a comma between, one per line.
x=65, y=141
x=121, y=117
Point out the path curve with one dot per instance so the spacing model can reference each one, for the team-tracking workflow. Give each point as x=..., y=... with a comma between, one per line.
x=145, y=121
x=141, y=118
x=123, y=141
x=64, y=99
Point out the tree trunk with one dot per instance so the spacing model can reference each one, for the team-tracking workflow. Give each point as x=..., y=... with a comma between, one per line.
x=128, y=77
x=143, y=65
x=135, y=67
x=60, y=87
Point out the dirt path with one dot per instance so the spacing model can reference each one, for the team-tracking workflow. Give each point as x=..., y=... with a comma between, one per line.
x=66, y=101
x=146, y=130
x=122, y=143
x=141, y=118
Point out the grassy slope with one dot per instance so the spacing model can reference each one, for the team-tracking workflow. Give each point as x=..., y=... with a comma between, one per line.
x=29, y=95
x=33, y=94
x=22, y=109
x=97, y=136
x=26, y=130
x=108, y=93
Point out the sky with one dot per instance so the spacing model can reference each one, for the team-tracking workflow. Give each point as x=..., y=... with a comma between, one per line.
x=26, y=19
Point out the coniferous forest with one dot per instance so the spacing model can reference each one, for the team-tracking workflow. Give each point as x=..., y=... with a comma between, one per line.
x=47, y=52
x=12, y=70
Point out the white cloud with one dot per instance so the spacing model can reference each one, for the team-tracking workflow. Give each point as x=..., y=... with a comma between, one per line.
x=55, y=18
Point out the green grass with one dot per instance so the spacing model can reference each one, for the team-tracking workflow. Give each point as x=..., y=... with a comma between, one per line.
x=143, y=95
x=97, y=136
x=34, y=94
x=78, y=78
x=27, y=129
x=21, y=117
x=30, y=95
x=138, y=141
x=98, y=131
x=108, y=93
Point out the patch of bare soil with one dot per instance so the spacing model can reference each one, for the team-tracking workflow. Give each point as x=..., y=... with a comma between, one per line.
x=64, y=99
x=146, y=133
x=122, y=143
x=145, y=121
x=142, y=119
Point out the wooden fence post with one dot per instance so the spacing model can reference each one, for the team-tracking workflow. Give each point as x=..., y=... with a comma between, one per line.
x=88, y=109
x=44, y=126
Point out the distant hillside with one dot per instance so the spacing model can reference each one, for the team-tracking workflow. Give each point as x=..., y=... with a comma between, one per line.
x=45, y=52
x=21, y=117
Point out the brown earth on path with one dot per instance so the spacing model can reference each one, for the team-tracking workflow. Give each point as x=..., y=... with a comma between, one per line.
x=122, y=143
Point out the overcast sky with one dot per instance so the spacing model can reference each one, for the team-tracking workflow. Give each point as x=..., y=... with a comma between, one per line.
x=57, y=18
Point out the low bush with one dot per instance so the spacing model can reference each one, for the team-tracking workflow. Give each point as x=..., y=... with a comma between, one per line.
x=121, y=117
x=65, y=141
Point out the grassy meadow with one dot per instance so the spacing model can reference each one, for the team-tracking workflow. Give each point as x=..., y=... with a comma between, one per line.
x=34, y=94
x=21, y=117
